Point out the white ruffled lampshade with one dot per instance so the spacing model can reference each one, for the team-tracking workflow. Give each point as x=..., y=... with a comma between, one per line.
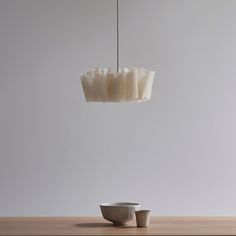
x=105, y=85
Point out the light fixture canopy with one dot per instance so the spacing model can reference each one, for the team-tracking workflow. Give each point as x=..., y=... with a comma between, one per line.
x=126, y=84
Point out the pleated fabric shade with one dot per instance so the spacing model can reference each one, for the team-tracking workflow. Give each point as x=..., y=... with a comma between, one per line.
x=129, y=84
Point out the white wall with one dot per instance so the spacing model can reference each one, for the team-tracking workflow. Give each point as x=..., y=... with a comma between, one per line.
x=174, y=154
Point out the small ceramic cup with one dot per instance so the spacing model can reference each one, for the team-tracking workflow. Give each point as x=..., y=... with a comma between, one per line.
x=142, y=218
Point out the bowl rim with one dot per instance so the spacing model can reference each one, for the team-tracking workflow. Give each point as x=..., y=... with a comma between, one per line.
x=120, y=204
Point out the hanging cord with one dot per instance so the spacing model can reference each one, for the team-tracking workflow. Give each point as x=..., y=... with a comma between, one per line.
x=117, y=37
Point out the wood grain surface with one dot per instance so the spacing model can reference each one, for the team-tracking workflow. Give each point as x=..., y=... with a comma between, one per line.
x=98, y=226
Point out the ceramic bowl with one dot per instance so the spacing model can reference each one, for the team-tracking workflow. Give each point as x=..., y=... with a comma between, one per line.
x=119, y=213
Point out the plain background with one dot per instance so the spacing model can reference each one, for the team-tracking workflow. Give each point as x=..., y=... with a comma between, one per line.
x=175, y=154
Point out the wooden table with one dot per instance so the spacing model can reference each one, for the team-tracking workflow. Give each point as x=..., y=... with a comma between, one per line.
x=97, y=226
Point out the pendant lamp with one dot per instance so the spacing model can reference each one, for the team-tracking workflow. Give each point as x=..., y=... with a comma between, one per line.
x=124, y=84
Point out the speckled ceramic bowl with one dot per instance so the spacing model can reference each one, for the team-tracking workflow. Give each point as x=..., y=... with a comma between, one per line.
x=119, y=213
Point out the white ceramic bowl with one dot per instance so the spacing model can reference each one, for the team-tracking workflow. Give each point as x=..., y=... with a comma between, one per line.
x=119, y=213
